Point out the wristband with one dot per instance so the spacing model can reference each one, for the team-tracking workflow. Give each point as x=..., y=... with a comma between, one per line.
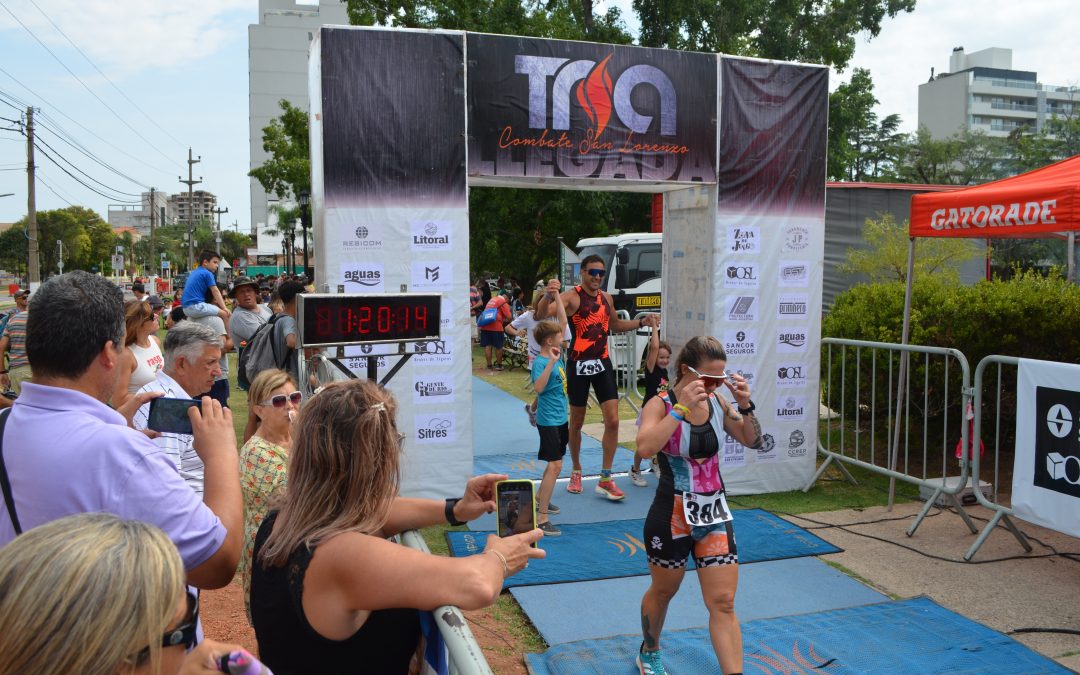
x=681, y=409
x=676, y=416
x=747, y=411
x=449, y=511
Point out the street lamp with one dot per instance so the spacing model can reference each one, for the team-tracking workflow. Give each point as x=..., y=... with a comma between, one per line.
x=305, y=223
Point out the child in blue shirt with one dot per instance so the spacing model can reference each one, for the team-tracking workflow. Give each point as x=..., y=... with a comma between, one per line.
x=552, y=414
x=202, y=280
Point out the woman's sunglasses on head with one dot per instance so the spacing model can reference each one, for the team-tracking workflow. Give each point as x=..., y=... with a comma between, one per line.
x=281, y=400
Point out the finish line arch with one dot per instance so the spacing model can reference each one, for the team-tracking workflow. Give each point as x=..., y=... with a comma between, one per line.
x=403, y=122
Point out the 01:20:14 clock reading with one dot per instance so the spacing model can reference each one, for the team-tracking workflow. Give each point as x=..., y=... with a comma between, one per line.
x=371, y=321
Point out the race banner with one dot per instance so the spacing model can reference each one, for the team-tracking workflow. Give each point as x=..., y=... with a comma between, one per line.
x=566, y=111
x=1046, y=466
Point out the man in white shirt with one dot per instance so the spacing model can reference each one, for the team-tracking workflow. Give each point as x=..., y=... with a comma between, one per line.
x=248, y=315
x=191, y=353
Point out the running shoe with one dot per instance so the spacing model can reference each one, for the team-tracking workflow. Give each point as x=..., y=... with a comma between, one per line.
x=655, y=464
x=552, y=509
x=549, y=529
x=575, y=483
x=636, y=478
x=649, y=663
x=498, y=366
x=609, y=489
x=531, y=413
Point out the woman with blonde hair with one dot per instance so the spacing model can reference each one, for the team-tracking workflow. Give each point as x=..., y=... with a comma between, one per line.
x=274, y=401
x=96, y=595
x=329, y=592
x=143, y=356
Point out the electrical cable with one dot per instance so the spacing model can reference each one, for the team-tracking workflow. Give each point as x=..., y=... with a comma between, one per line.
x=40, y=179
x=79, y=80
x=90, y=155
x=72, y=165
x=43, y=115
x=80, y=182
x=107, y=79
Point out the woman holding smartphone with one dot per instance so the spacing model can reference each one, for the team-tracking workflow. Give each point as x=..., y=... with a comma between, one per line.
x=685, y=427
x=329, y=592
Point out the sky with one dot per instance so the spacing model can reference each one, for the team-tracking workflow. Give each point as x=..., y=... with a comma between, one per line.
x=146, y=80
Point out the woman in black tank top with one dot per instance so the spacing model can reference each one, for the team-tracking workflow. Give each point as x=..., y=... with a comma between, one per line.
x=329, y=592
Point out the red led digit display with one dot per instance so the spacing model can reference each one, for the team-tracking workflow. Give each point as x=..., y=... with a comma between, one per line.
x=339, y=319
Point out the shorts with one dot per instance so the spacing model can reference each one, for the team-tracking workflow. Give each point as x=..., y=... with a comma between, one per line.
x=553, y=442
x=603, y=383
x=670, y=540
x=492, y=338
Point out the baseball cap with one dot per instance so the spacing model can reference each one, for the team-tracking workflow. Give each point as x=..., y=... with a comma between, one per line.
x=242, y=281
x=138, y=287
x=21, y=293
x=155, y=302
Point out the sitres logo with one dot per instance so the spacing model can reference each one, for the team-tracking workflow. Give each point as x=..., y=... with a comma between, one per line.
x=435, y=429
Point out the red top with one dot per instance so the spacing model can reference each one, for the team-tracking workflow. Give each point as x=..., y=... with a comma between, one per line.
x=590, y=326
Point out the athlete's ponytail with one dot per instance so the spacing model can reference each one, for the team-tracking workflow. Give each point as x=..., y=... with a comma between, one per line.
x=697, y=351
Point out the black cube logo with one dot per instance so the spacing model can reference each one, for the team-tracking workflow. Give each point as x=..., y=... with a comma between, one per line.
x=1057, y=440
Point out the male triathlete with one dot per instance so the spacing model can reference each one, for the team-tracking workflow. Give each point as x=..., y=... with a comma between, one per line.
x=592, y=319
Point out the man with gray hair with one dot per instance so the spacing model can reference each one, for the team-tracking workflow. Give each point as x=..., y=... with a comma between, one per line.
x=191, y=353
x=66, y=451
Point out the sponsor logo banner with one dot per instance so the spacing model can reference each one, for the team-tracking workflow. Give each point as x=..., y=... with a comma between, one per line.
x=748, y=375
x=432, y=275
x=741, y=308
x=744, y=239
x=796, y=238
x=549, y=108
x=791, y=375
x=1057, y=440
x=435, y=428
x=741, y=275
x=362, y=238
x=791, y=341
x=797, y=445
x=362, y=277
x=740, y=342
x=793, y=274
x=433, y=388
x=792, y=307
x=768, y=452
x=430, y=235
x=433, y=352
x=734, y=453
x=790, y=407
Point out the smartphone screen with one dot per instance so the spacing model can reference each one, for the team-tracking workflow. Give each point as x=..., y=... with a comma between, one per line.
x=516, y=506
x=170, y=415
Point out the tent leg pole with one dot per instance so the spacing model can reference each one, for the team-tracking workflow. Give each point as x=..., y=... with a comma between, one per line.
x=901, y=377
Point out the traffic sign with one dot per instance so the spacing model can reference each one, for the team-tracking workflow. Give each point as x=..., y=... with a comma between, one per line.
x=117, y=263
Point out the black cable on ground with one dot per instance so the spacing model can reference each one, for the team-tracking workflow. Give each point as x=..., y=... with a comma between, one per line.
x=1064, y=631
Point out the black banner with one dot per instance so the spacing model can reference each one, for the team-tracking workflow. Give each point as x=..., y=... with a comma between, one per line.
x=577, y=110
x=393, y=117
x=1057, y=440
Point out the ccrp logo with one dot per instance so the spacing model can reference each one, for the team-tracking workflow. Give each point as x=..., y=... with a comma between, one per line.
x=796, y=439
x=591, y=85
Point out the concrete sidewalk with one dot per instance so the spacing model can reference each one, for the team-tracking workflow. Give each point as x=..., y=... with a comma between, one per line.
x=1023, y=591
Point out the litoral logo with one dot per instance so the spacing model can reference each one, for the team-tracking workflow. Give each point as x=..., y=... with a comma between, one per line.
x=741, y=308
x=791, y=407
x=596, y=92
x=796, y=238
x=426, y=235
x=1059, y=420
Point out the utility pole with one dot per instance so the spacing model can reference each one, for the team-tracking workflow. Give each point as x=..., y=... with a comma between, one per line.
x=191, y=208
x=153, y=253
x=33, y=272
x=217, y=235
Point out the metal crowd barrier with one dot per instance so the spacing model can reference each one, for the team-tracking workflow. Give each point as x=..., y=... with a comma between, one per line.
x=626, y=360
x=465, y=655
x=893, y=409
x=1001, y=513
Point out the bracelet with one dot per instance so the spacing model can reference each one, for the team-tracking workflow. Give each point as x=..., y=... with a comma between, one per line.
x=449, y=511
x=502, y=559
x=676, y=416
x=747, y=411
x=683, y=410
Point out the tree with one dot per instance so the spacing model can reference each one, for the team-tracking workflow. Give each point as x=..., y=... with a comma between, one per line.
x=812, y=31
x=965, y=158
x=884, y=257
x=288, y=171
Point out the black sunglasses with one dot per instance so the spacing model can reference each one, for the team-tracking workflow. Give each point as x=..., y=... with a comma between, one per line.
x=184, y=634
x=597, y=273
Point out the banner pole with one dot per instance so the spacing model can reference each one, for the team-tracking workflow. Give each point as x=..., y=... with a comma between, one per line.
x=901, y=376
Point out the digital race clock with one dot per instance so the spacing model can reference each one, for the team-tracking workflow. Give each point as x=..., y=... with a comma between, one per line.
x=327, y=319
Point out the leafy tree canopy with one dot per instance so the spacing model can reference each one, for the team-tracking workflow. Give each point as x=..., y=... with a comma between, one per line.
x=287, y=172
x=884, y=257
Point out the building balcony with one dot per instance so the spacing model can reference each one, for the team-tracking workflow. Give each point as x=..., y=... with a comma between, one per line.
x=1019, y=107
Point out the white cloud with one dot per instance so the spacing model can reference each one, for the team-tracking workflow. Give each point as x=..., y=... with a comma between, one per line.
x=125, y=38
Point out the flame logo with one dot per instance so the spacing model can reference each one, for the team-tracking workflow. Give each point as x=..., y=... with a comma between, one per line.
x=771, y=661
x=594, y=93
x=630, y=545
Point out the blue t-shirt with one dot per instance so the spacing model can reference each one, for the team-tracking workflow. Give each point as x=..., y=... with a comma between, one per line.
x=198, y=283
x=552, y=406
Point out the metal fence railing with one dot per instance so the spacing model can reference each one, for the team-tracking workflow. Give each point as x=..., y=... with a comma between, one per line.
x=896, y=410
x=464, y=654
x=1004, y=385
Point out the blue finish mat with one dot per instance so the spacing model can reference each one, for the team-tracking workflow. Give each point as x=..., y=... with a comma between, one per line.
x=904, y=637
x=526, y=465
x=565, y=612
x=614, y=549
x=499, y=421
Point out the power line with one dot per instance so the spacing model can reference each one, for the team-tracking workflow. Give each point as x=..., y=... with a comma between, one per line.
x=117, y=88
x=89, y=155
x=72, y=165
x=79, y=80
x=52, y=190
x=80, y=182
x=78, y=124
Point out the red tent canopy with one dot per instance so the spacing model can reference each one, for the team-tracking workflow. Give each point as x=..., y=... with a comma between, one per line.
x=1032, y=204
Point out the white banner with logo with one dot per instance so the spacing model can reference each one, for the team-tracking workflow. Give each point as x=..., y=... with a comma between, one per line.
x=1046, y=467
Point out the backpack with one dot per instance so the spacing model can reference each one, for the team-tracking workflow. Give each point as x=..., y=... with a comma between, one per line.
x=259, y=354
x=491, y=312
